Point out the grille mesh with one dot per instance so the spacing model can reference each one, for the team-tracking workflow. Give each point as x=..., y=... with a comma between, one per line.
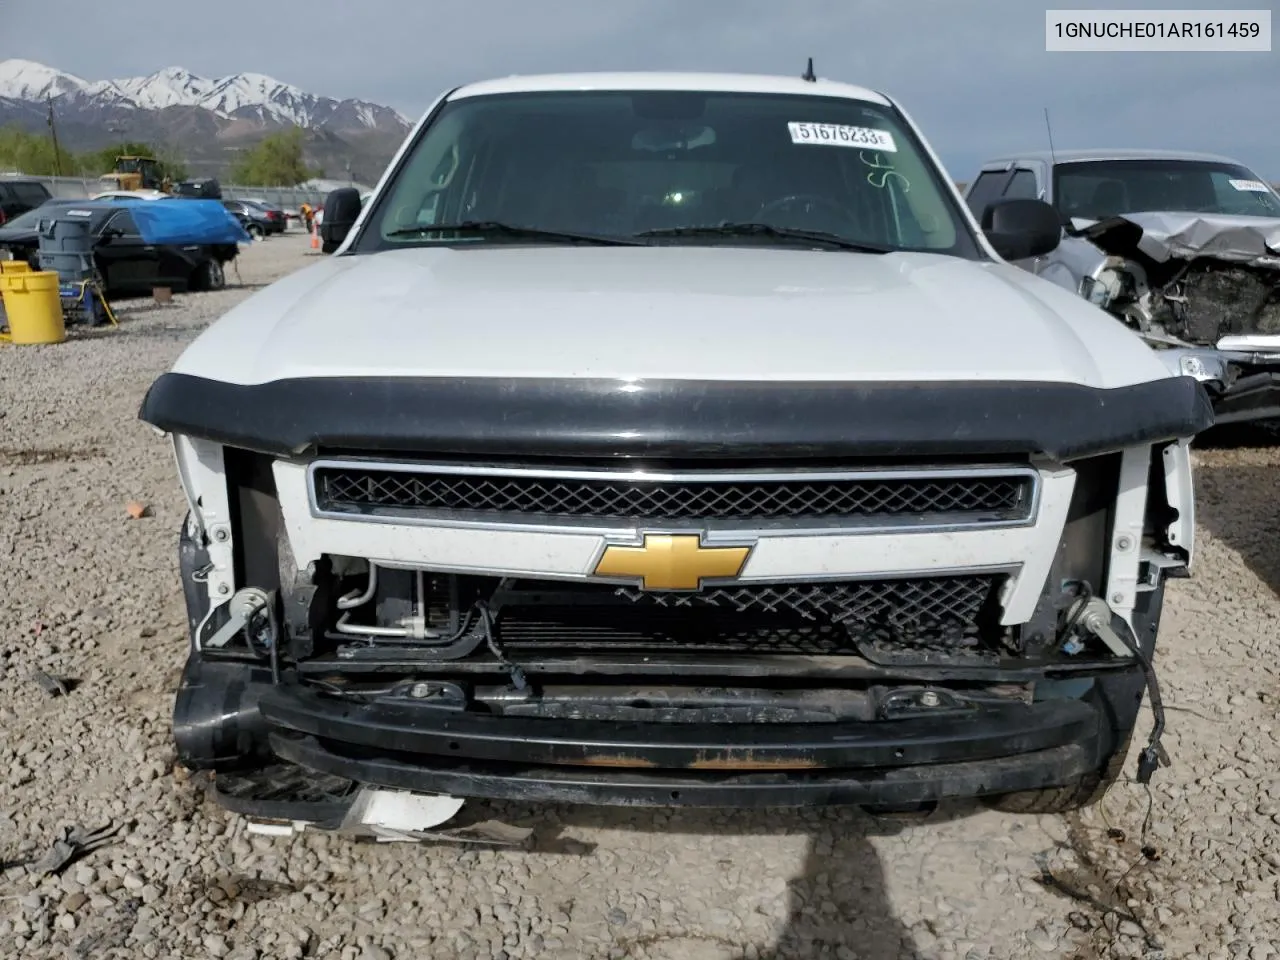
x=927, y=602
x=353, y=489
x=940, y=613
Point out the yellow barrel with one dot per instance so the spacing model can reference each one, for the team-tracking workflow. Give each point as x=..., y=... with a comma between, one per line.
x=14, y=266
x=33, y=307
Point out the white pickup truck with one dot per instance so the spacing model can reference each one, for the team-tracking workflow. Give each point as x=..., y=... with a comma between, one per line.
x=672, y=439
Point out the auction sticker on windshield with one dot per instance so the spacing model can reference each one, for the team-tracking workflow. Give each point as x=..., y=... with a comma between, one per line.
x=1254, y=186
x=838, y=135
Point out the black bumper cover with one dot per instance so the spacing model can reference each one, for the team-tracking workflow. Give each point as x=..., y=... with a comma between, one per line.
x=991, y=750
x=887, y=787
x=1254, y=396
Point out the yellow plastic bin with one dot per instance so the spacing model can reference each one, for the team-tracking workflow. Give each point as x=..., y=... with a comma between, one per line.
x=33, y=306
x=14, y=266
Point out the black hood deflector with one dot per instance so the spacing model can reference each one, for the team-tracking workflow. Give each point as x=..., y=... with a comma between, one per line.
x=675, y=419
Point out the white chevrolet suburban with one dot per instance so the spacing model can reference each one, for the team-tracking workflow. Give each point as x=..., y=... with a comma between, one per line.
x=673, y=440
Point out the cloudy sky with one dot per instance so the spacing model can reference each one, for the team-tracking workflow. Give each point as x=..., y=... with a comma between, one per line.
x=973, y=73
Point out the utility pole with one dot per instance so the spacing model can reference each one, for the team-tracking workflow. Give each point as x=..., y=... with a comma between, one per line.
x=53, y=134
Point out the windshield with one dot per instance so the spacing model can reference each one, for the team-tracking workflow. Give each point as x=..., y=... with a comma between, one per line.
x=652, y=164
x=1098, y=189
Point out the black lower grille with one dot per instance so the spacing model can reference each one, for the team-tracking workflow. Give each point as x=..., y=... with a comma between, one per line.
x=943, y=613
x=549, y=630
x=918, y=603
x=913, y=616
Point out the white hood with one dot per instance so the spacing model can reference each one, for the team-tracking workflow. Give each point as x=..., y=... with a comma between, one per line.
x=668, y=312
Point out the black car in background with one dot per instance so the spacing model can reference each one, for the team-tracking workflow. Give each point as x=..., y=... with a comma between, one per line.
x=206, y=188
x=20, y=194
x=252, y=218
x=277, y=221
x=127, y=264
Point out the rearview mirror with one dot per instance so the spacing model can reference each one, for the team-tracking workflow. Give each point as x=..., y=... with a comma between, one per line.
x=1020, y=227
x=341, y=208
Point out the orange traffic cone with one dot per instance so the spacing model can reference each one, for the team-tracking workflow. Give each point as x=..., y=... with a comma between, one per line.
x=315, y=237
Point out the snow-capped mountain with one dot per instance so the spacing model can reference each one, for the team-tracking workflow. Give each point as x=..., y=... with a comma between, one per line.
x=206, y=122
x=170, y=87
x=241, y=96
x=24, y=80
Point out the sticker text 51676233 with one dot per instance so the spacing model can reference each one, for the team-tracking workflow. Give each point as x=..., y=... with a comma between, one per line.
x=838, y=135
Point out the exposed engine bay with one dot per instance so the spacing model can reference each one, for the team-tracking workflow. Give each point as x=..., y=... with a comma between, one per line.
x=1178, y=293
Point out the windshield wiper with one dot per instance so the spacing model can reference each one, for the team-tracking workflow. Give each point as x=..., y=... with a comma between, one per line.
x=497, y=228
x=766, y=230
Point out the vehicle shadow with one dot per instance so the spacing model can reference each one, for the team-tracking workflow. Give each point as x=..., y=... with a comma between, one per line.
x=838, y=899
x=1235, y=436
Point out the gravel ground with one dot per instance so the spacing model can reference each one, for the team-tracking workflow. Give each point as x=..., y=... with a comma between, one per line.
x=1188, y=868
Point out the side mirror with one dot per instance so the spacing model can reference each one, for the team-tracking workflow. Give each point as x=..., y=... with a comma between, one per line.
x=341, y=208
x=1020, y=227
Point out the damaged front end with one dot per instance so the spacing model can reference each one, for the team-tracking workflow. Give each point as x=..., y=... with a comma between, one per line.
x=856, y=627
x=1204, y=291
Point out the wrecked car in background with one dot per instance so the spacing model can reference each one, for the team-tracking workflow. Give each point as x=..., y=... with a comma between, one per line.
x=1182, y=247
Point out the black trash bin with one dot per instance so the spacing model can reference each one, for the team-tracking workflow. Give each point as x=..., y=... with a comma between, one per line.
x=66, y=245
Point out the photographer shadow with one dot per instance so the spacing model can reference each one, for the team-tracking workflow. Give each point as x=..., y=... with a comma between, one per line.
x=839, y=899
x=837, y=906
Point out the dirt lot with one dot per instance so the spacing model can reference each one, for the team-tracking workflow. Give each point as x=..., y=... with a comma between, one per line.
x=1188, y=868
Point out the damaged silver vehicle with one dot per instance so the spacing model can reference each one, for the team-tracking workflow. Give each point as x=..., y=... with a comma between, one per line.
x=1182, y=247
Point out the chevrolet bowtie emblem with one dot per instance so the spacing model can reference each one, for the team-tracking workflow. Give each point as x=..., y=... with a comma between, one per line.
x=671, y=562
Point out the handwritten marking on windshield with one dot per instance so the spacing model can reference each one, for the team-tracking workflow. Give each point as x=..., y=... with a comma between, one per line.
x=883, y=171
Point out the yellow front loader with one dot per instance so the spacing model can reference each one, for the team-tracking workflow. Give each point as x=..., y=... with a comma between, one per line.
x=137, y=173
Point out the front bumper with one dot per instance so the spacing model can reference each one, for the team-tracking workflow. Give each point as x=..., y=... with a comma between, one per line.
x=965, y=750
x=904, y=785
x=1242, y=385
x=1254, y=395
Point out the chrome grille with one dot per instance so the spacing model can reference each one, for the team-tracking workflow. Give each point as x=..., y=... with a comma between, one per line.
x=973, y=496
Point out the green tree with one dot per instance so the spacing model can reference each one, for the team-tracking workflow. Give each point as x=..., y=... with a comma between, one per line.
x=275, y=161
x=97, y=162
x=32, y=153
x=172, y=165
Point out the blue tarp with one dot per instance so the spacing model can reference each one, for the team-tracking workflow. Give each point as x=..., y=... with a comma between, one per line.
x=182, y=222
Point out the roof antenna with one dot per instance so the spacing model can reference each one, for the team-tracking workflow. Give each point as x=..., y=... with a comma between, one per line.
x=1052, y=159
x=808, y=74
